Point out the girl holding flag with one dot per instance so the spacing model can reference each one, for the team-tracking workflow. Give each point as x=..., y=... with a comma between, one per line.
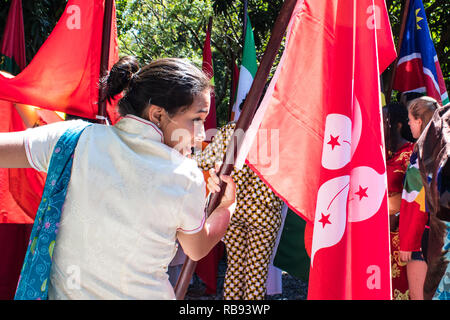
x=118, y=197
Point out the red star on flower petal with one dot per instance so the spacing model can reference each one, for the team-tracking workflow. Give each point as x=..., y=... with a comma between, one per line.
x=362, y=193
x=324, y=220
x=333, y=142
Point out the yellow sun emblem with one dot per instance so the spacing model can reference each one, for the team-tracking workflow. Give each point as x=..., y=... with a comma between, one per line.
x=418, y=19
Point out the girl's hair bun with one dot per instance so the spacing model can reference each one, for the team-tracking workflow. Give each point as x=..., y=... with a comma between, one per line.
x=120, y=77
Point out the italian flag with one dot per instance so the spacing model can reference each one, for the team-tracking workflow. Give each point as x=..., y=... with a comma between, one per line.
x=247, y=71
x=413, y=214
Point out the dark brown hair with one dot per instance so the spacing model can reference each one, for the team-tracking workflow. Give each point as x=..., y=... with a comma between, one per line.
x=170, y=83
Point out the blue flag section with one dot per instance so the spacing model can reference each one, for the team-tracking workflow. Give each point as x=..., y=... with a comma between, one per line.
x=418, y=68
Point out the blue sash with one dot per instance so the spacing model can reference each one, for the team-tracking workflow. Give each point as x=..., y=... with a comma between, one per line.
x=34, y=277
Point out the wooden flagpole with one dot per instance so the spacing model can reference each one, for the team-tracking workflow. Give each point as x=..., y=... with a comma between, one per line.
x=210, y=21
x=232, y=85
x=104, y=59
x=244, y=121
x=399, y=46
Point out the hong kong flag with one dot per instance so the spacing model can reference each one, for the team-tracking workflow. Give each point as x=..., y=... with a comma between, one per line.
x=319, y=142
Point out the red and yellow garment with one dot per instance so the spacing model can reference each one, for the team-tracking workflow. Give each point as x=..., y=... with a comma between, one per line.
x=413, y=214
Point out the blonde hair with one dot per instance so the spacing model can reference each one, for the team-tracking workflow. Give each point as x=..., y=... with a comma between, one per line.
x=423, y=108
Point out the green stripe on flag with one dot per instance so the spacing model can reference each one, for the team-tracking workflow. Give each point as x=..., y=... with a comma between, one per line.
x=445, y=100
x=249, y=52
x=248, y=69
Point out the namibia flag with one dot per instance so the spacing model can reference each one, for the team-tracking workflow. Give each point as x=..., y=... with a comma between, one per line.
x=418, y=68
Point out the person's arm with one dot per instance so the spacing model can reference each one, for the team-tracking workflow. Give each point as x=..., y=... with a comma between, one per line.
x=12, y=150
x=198, y=245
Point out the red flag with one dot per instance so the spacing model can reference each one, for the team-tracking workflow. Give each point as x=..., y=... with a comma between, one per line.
x=13, y=42
x=111, y=108
x=64, y=74
x=320, y=142
x=207, y=67
x=20, y=189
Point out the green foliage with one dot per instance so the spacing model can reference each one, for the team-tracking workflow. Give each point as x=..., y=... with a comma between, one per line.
x=150, y=29
x=153, y=29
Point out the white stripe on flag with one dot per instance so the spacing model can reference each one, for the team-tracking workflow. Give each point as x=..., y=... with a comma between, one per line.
x=419, y=90
x=410, y=196
x=430, y=74
x=444, y=96
x=244, y=85
x=409, y=57
x=426, y=71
